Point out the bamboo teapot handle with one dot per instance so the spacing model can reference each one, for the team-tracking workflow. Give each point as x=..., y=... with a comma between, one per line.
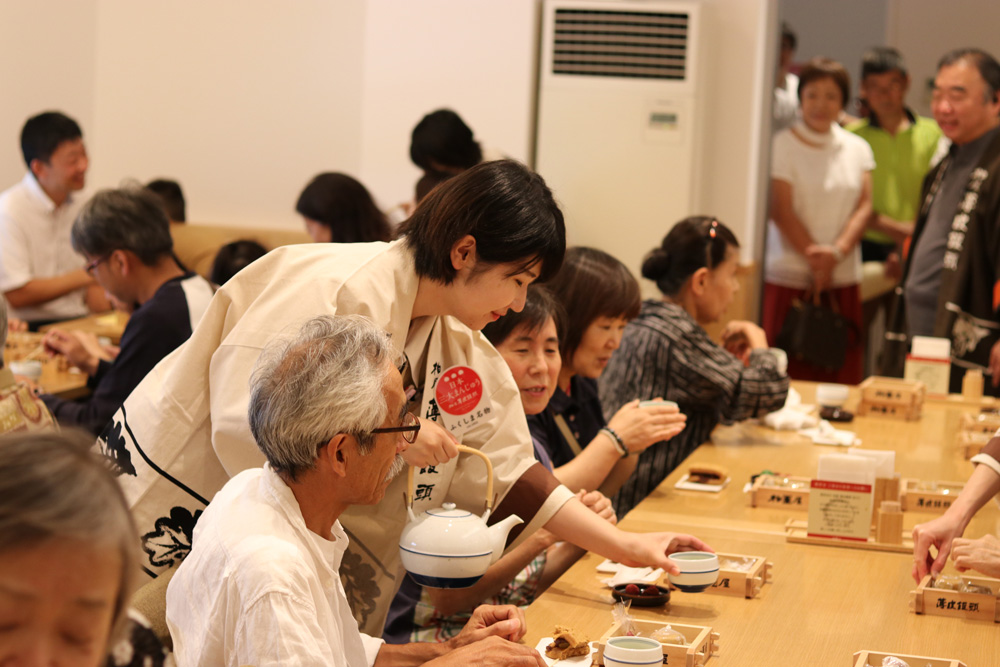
x=461, y=449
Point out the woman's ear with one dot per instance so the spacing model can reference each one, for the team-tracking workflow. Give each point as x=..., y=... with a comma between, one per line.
x=463, y=253
x=699, y=281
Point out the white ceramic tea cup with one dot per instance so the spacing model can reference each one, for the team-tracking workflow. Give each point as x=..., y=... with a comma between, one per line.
x=632, y=651
x=699, y=570
x=29, y=368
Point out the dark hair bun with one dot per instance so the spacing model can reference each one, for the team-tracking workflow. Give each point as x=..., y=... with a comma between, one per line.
x=656, y=265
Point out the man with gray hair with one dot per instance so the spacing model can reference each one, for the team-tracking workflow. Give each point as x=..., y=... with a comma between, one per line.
x=125, y=237
x=261, y=585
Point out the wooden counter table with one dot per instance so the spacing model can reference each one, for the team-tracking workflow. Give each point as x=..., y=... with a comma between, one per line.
x=824, y=603
x=56, y=378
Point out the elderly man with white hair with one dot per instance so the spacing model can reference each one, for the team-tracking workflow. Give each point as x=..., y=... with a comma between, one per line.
x=261, y=585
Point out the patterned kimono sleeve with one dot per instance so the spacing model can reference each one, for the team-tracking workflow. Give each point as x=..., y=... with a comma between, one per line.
x=638, y=369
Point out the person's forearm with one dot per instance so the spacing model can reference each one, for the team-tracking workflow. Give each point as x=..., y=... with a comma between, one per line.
x=897, y=229
x=794, y=231
x=588, y=469
x=854, y=229
x=42, y=290
x=983, y=484
x=450, y=601
x=407, y=655
x=576, y=524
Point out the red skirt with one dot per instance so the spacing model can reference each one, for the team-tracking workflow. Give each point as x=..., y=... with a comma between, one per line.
x=777, y=303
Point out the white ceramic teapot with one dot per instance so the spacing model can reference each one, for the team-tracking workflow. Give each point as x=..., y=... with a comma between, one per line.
x=447, y=547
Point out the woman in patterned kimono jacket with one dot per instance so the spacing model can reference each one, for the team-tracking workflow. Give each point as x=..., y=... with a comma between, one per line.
x=465, y=257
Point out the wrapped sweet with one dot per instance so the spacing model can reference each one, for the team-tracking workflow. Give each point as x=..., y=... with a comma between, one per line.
x=667, y=635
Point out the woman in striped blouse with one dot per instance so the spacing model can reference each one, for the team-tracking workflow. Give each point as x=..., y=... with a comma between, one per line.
x=667, y=352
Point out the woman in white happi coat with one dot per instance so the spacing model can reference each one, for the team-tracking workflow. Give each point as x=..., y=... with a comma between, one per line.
x=465, y=258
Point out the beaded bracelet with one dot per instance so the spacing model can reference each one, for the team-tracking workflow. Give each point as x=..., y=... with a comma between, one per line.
x=616, y=440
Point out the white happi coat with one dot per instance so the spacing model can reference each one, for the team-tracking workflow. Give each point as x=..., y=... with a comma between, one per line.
x=184, y=431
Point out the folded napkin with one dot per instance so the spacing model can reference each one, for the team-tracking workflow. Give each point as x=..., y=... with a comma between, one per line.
x=628, y=575
x=826, y=434
x=794, y=415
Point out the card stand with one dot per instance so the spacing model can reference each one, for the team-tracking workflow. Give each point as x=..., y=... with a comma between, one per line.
x=972, y=606
x=743, y=584
x=915, y=499
x=797, y=531
x=780, y=496
x=891, y=397
x=702, y=643
x=875, y=658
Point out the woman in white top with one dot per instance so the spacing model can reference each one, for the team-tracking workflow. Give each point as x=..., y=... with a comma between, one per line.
x=820, y=200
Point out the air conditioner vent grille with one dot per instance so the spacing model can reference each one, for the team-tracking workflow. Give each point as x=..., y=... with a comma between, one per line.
x=649, y=45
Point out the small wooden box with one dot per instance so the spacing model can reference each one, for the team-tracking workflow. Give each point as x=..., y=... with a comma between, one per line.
x=891, y=397
x=742, y=584
x=702, y=643
x=874, y=659
x=774, y=491
x=942, y=602
x=914, y=499
x=986, y=423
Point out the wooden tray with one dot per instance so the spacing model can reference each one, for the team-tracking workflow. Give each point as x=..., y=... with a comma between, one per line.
x=702, y=643
x=941, y=602
x=742, y=584
x=780, y=496
x=891, y=397
x=874, y=658
x=797, y=531
x=914, y=499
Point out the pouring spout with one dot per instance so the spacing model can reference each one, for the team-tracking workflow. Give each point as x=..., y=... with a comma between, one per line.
x=498, y=535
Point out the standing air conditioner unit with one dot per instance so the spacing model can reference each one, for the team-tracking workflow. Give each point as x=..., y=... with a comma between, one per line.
x=617, y=120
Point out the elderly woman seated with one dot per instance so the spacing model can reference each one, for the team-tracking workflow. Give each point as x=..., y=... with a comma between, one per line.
x=261, y=585
x=67, y=558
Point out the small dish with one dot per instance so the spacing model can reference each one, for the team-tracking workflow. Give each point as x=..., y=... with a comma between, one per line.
x=642, y=600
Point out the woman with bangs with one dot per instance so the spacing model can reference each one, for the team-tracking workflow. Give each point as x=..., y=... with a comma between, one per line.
x=599, y=297
x=464, y=259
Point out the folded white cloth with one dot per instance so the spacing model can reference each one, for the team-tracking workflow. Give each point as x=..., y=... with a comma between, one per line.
x=826, y=434
x=629, y=575
x=794, y=415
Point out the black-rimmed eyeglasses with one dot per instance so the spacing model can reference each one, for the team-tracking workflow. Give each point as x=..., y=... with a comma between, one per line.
x=409, y=429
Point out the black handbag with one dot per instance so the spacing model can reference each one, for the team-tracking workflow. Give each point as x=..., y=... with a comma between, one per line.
x=817, y=334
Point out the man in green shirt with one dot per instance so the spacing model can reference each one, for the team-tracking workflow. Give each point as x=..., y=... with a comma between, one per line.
x=903, y=144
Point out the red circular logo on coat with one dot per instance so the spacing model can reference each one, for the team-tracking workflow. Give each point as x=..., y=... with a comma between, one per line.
x=459, y=390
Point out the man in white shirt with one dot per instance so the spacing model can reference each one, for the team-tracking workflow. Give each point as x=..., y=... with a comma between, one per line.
x=41, y=276
x=261, y=585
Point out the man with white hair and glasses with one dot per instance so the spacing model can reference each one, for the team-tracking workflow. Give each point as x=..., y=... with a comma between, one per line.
x=261, y=585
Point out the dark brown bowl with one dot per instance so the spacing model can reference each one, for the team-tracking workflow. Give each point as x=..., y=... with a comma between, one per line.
x=618, y=593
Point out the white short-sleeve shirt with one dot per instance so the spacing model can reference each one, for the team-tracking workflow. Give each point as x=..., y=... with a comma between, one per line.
x=35, y=243
x=826, y=184
x=259, y=588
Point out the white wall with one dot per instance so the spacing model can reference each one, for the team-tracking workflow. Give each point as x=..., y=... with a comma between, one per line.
x=241, y=101
x=924, y=30
x=476, y=57
x=46, y=63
